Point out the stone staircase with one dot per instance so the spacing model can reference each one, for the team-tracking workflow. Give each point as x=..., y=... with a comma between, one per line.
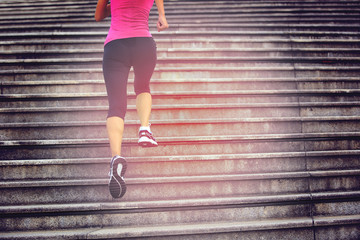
x=256, y=111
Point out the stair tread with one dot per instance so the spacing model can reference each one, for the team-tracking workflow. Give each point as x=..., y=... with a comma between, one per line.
x=195, y=33
x=184, y=106
x=188, y=93
x=187, y=229
x=189, y=50
x=205, y=40
x=212, y=157
x=282, y=67
x=181, y=179
x=188, y=139
x=285, y=25
x=178, y=203
x=184, y=121
x=180, y=80
x=189, y=59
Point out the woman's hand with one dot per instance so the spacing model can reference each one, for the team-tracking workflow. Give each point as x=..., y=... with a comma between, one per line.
x=162, y=23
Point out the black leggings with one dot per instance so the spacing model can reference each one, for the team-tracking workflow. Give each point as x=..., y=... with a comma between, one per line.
x=119, y=56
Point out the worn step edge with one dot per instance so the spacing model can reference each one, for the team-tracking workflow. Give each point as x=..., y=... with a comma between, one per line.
x=267, y=10
x=170, y=230
x=100, y=42
x=296, y=59
x=197, y=17
x=189, y=69
x=183, y=80
x=181, y=179
x=337, y=10
x=178, y=158
x=336, y=220
x=197, y=40
x=206, y=228
x=181, y=203
x=175, y=5
x=183, y=106
x=185, y=121
x=180, y=50
x=102, y=26
x=186, y=229
x=166, y=107
x=13, y=24
x=176, y=33
x=186, y=94
x=245, y=4
x=181, y=158
x=164, y=69
x=171, y=6
x=189, y=139
x=161, y=204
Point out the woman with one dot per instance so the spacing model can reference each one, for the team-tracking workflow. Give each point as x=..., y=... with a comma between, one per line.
x=128, y=44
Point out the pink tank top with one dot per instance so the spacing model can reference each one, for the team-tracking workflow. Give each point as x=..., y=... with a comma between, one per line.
x=129, y=18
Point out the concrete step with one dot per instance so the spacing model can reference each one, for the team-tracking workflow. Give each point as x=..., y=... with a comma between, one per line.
x=217, y=8
x=72, y=44
x=175, y=127
x=181, y=165
x=275, y=54
x=200, y=84
x=107, y=214
x=298, y=228
x=160, y=188
x=165, y=73
x=179, y=127
x=209, y=18
x=211, y=84
x=329, y=108
x=173, y=72
x=193, y=231
x=189, y=34
x=123, y=214
x=168, y=96
x=188, y=111
x=178, y=187
x=191, y=145
x=85, y=27
x=180, y=62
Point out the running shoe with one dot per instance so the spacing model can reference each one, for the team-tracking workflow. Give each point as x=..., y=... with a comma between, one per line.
x=117, y=184
x=146, y=139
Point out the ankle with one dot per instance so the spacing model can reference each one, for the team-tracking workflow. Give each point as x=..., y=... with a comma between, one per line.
x=145, y=128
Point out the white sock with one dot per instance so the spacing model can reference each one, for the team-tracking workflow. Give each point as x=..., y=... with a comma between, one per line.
x=145, y=128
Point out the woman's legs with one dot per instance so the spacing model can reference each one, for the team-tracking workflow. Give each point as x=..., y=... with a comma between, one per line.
x=119, y=56
x=144, y=64
x=143, y=107
x=116, y=67
x=115, y=129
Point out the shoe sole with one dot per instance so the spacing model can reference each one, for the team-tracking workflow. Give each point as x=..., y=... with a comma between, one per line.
x=117, y=186
x=147, y=143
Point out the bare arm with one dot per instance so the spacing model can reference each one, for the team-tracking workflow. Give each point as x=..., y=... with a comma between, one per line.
x=162, y=23
x=102, y=10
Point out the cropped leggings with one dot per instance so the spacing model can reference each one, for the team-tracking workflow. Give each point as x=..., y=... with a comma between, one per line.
x=119, y=56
